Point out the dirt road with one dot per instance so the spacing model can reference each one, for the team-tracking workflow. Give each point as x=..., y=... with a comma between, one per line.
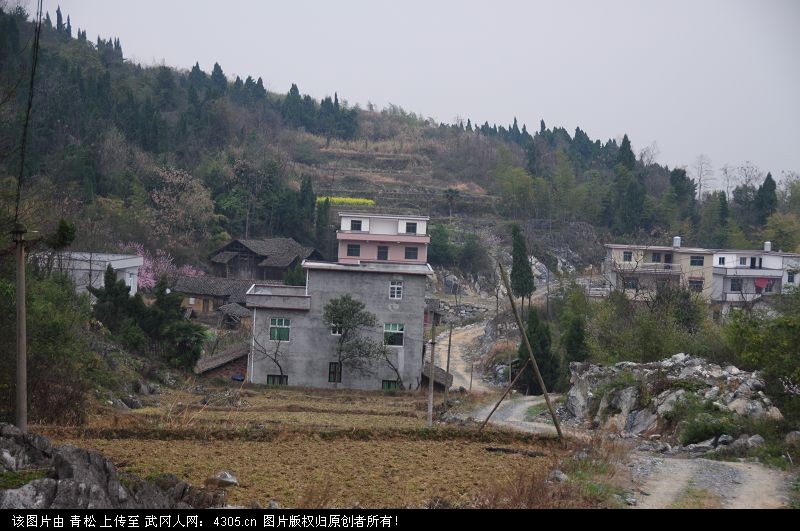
x=674, y=482
x=463, y=349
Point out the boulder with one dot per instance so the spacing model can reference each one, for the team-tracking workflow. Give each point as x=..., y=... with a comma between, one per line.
x=792, y=438
x=222, y=479
x=641, y=421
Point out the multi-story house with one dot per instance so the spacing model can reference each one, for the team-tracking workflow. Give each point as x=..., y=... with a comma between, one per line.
x=640, y=270
x=727, y=278
x=382, y=238
x=291, y=343
x=742, y=278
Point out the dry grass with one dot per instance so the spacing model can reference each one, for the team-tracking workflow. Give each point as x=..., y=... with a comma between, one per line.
x=310, y=448
x=693, y=498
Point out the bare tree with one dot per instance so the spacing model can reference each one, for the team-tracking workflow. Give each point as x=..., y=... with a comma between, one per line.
x=649, y=154
x=275, y=355
x=729, y=177
x=703, y=173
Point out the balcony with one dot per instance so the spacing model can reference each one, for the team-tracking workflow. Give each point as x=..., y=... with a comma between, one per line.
x=744, y=271
x=278, y=297
x=363, y=236
x=647, y=268
x=744, y=297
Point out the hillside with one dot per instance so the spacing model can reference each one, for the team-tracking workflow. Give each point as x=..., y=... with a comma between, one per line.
x=182, y=161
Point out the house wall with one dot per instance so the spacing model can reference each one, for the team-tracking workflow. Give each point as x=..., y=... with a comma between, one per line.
x=681, y=259
x=197, y=305
x=369, y=251
x=311, y=346
x=232, y=368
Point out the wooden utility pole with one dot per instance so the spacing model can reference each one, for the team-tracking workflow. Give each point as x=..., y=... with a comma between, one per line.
x=508, y=390
x=430, y=372
x=21, y=413
x=530, y=352
x=447, y=368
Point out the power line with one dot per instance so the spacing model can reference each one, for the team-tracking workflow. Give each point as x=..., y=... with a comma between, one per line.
x=34, y=63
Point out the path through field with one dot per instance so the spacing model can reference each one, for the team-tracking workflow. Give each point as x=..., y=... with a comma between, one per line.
x=462, y=350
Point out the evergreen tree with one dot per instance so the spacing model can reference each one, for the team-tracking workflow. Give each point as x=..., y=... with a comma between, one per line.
x=295, y=276
x=59, y=20
x=292, y=107
x=197, y=78
x=219, y=83
x=68, y=29
x=626, y=156
x=766, y=199
x=521, y=275
x=469, y=126
x=549, y=365
x=573, y=339
x=48, y=24
x=322, y=228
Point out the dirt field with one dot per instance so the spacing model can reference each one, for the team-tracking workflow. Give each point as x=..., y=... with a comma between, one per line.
x=307, y=448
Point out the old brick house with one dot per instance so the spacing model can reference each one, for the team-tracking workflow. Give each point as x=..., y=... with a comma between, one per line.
x=267, y=259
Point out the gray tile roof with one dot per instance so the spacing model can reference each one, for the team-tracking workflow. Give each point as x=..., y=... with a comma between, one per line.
x=233, y=290
x=235, y=310
x=207, y=363
x=277, y=252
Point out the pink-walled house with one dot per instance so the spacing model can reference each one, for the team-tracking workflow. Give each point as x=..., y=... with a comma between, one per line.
x=364, y=238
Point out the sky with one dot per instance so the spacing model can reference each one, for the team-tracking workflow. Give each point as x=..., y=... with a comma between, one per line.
x=713, y=77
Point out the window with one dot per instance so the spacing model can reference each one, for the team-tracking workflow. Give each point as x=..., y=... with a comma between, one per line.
x=353, y=249
x=736, y=284
x=771, y=285
x=627, y=256
x=721, y=260
x=790, y=277
x=656, y=257
x=743, y=261
x=390, y=385
x=192, y=300
x=277, y=379
x=393, y=334
x=411, y=253
x=411, y=228
x=696, y=260
x=696, y=285
x=279, y=329
x=396, y=289
x=336, y=330
x=631, y=283
x=334, y=372
x=383, y=252
x=355, y=224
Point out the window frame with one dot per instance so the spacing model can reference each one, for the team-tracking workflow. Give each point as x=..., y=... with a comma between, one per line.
x=411, y=224
x=396, y=290
x=383, y=248
x=721, y=261
x=656, y=258
x=354, y=250
x=390, y=385
x=627, y=256
x=359, y=222
x=334, y=372
x=693, y=259
x=415, y=253
x=284, y=324
x=390, y=333
x=696, y=285
x=790, y=277
x=743, y=261
x=740, y=282
x=283, y=379
x=336, y=330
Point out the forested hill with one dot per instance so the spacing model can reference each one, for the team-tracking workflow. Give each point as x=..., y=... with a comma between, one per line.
x=184, y=160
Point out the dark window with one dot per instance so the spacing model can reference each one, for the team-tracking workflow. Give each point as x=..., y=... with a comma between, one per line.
x=383, y=252
x=743, y=261
x=355, y=224
x=277, y=379
x=736, y=284
x=334, y=372
x=631, y=283
x=279, y=329
x=411, y=228
x=393, y=334
x=790, y=277
x=656, y=257
x=721, y=260
x=336, y=330
x=353, y=249
x=627, y=256
x=696, y=285
x=696, y=260
x=390, y=385
x=411, y=253
x=771, y=285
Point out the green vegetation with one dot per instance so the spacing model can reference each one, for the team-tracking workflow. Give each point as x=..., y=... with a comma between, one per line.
x=548, y=361
x=346, y=201
x=14, y=480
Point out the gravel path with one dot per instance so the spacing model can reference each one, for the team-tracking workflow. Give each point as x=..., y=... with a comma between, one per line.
x=462, y=349
x=736, y=485
x=511, y=414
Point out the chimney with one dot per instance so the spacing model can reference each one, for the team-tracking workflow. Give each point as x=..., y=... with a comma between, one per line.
x=676, y=241
x=768, y=247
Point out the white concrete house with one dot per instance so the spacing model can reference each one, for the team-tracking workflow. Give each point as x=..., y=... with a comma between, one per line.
x=89, y=269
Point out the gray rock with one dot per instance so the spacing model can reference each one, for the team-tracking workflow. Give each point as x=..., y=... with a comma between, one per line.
x=641, y=421
x=8, y=461
x=792, y=438
x=37, y=494
x=724, y=440
x=755, y=441
x=274, y=505
x=712, y=393
x=666, y=400
x=557, y=476
x=132, y=402
x=222, y=479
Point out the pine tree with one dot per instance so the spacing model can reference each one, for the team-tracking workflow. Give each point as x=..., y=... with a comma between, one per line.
x=59, y=20
x=469, y=126
x=197, y=78
x=626, y=156
x=48, y=24
x=766, y=199
x=292, y=107
x=573, y=339
x=68, y=29
x=549, y=365
x=219, y=83
x=521, y=275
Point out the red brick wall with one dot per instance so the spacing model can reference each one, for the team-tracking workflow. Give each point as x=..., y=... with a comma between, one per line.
x=238, y=366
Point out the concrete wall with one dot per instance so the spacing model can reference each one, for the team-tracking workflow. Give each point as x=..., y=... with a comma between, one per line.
x=369, y=251
x=311, y=346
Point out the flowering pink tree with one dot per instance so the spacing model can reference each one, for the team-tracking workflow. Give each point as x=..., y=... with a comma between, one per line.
x=156, y=265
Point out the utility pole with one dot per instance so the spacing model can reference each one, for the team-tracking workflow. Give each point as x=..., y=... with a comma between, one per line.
x=21, y=413
x=430, y=372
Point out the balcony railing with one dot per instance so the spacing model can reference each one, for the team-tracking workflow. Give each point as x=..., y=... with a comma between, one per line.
x=744, y=271
x=648, y=268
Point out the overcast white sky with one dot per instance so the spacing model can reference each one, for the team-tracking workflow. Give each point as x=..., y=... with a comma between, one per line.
x=718, y=77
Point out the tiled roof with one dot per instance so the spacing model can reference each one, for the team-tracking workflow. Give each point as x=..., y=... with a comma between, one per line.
x=275, y=252
x=235, y=310
x=233, y=290
x=207, y=363
x=223, y=257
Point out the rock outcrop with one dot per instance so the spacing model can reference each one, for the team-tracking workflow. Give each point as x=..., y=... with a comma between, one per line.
x=634, y=398
x=82, y=479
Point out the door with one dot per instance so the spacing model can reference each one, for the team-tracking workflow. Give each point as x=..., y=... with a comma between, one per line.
x=668, y=261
